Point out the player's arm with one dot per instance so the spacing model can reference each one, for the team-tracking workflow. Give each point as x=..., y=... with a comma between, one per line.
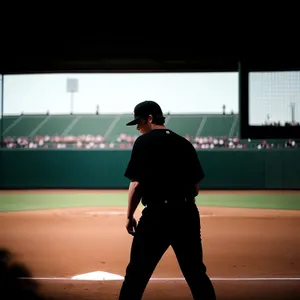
x=197, y=170
x=134, y=198
x=197, y=188
x=134, y=173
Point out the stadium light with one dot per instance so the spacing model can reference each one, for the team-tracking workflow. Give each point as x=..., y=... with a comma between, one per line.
x=72, y=87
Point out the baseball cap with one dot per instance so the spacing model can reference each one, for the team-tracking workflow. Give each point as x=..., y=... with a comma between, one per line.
x=143, y=110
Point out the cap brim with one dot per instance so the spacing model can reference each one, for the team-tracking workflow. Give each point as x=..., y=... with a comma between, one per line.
x=133, y=122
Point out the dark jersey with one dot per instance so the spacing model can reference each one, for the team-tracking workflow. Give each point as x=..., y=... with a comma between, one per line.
x=166, y=165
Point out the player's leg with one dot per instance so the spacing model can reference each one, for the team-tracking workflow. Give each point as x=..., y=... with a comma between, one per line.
x=187, y=245
x=148, y=246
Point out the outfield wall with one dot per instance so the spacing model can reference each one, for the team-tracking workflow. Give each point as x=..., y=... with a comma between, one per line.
x=104, y=169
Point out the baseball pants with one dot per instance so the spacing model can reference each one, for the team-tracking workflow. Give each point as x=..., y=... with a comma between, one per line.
x=158, y=228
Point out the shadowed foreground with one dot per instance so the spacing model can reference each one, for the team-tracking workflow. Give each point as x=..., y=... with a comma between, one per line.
x=11, y=286
x=225, y=290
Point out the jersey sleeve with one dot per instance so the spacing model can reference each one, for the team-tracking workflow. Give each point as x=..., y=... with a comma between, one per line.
x=134, y=168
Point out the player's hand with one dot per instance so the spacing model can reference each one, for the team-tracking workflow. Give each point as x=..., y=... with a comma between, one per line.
x=131, y=225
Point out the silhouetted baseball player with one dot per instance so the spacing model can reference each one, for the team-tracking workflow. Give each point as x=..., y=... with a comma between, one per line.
x=165, y=172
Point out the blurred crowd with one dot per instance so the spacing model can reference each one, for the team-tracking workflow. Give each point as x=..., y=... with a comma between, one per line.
x=124, y=141
x=59, y=142
x=277, y=124
x=237, y=143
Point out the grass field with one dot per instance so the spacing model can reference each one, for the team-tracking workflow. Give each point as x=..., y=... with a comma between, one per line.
x=32, y=200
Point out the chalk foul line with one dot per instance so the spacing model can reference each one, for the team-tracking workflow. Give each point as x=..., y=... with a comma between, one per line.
x=101, y=276
x=170, y=279
x=164, y=279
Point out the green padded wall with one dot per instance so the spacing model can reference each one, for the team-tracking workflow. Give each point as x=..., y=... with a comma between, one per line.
x=102, y=169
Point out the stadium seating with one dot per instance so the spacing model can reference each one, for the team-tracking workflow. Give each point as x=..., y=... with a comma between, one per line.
x=120, y=127
x=90, y=125
x=185, y=124
x=23, y=126
x=8, y=122
x=219, y=125
x=102, y=131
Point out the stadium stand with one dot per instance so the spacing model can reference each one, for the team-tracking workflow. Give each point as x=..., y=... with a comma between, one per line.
x=205, y=131
x=185, y=124
x=118, y=127
x=219, y=125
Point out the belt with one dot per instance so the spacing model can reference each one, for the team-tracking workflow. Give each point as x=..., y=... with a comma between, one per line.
x=172, y=202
